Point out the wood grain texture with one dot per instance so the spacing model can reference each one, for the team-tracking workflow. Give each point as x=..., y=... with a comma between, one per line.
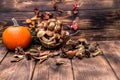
x=27, y=5
x=94, y=26
x=99, y=25
x=112, y=53
x=87, y=18
x=3, y=51
x=92, y=69
x=93, y=19
x=98, y=20
x=16, y=71
x=99, y=34
x=50, y=71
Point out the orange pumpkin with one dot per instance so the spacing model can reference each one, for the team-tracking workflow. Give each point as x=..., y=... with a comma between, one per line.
x=16, y=36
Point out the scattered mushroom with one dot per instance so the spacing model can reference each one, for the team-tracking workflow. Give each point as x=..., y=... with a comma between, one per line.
x=51, y=34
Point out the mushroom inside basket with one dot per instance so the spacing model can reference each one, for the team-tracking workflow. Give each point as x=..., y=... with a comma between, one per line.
x=51, y=33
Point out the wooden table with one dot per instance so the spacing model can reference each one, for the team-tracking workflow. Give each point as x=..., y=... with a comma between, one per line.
x=96, y=23
x=102, y=67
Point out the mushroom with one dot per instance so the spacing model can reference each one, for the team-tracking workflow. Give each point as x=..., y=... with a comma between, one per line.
x=70, y=54
x=49, y=33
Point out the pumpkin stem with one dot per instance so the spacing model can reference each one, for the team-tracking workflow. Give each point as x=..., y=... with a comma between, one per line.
x=15, y=22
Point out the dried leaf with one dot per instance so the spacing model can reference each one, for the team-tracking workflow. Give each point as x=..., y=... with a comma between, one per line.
x=59, y=61
x=44, y=53
x=42, y=59
x=16, y=59
x=18, y=56
x=97, y=52
x=34, y=54
x=55, y=54
x=19, y=50
x=39, y=48
x=28, y=55
x=33, y=50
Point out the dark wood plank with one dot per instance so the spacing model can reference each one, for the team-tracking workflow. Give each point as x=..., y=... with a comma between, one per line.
x=92, y=19
x=117, y=43
x=93, y=26
x=101, y=32
x=50, y=71
x=16, y=71
x=111, y=52
x=97, y=19
x=3, y=52
x=27, y=5
x=92, y=69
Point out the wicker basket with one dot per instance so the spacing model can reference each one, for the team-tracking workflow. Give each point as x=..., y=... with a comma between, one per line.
x=49, y=45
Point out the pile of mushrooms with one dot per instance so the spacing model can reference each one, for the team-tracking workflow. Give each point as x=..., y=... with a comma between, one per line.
x=80, y=48
x=51, y=33
x=47, y=29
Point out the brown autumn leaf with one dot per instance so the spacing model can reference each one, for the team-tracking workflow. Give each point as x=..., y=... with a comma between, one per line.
x=44, y=53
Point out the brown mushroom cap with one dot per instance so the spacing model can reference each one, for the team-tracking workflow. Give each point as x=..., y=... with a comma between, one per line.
x=57, y=36
x=40, y=33
x=49, y=33
x=51, y=26
x=28, y=21
x=70, y=54
x=57, y=29
x=64, y=34
x=83, y=40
